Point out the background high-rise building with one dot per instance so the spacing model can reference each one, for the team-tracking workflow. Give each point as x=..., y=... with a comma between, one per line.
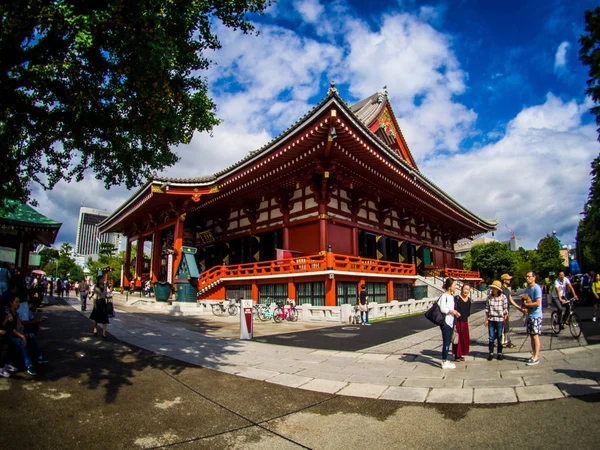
x=88, y=240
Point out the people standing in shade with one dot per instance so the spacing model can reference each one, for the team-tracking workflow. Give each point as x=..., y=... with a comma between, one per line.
x=462, y=303
x=4, y=277
x=596, y=296
x=532, y=306
x=100, y=312
x=84, y=289
x=559, y=295
x=446, y=304
x=505, y=279
x=363, y=305
x=496, y=314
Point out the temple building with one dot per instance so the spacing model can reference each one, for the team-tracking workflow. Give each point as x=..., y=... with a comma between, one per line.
x=335, y=201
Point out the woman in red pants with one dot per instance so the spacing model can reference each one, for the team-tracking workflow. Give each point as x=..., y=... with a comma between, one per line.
x=462, y=303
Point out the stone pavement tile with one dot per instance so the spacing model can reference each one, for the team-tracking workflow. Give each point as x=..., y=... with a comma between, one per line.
x=487, y=375
x=384, y=381
x=402, y=372
x=590, y=362
x=433, y=383
x=490, y=366
x=405, y=394
x=581, y=387
x=327, y=386
x=277, y=366
x=443, y=395
x=550, y=355
x=535, y=393
x=552, y=378
x=325, y=352
x=258, y=374
x=374, y=371
x=494, y=395
x=331, y=376
x=372, y=357
x=289, y=380
x=493, y=383
x=574, y=350
x=363, y=390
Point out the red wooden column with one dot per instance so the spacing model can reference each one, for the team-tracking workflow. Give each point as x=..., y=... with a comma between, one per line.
x=323, y=218
x=291, y=289
x=254, y=291
x=155, y=255
x=177, y=243
x=354, y=242
x=390, y=291
x=127, y=268
x=330, y=292
x=139, y=262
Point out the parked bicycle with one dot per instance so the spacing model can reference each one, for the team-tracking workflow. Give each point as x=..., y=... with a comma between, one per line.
x=263, y=312
x=226, y=307
x=282, y=313
x=570, y=317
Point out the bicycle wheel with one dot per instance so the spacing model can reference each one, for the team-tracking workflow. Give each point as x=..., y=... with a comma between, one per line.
x=293, y=315
x=233, y=310
x=277, y=314
x=217, y=309
x=554, y=322
x=262, y=315
x=575, y=325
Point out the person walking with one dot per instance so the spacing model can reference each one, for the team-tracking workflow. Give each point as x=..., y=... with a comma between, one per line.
x=363, y=305
x=496, y=314
x=462, y=304
x=532, y=306
x=446, y=304
x=100, y=312
x=505, y=279
x=596, y=296
x=559, y=295
x=83, y=294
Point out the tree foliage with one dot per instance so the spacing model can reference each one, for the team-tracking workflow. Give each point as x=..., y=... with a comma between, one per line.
x=492, y=260
x=108, y=86
x=589, y=55
x=547, y=258
x=114, y=262
x=107, y=249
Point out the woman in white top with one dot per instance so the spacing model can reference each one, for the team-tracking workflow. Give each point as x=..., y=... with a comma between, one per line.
x=446, y=303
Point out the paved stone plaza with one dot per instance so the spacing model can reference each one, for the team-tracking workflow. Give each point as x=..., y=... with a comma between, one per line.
x=406, y=370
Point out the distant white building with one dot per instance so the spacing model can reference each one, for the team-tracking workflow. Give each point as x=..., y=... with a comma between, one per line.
x=88, y=240
x=515, y=243
x=464, y=246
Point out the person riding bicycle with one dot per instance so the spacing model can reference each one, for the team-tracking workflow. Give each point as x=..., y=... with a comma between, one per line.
x=559, y=296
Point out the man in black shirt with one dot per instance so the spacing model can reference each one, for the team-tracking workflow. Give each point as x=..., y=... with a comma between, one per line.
x=506, y=291
x=363, y=304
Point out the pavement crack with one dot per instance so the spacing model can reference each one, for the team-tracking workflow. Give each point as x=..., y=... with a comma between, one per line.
x=241, y=416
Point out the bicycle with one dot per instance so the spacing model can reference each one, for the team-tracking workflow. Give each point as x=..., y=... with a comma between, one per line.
x=281, y=313
x=263, y=312
x=226, y=307
x=570, y=317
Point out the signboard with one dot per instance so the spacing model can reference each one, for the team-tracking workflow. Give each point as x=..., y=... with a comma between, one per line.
x=246, y=319
x=170, y=269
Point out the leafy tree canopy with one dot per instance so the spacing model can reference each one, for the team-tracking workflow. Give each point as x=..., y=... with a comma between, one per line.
x=589, y=55
x=108, y=86
x=107, y=249
x=492, y=260
x=547, y=258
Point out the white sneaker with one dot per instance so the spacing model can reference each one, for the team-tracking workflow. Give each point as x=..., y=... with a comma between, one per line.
x=594, y=319
x=448, y=365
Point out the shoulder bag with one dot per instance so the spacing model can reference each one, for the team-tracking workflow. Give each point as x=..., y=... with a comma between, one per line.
x=434, y=314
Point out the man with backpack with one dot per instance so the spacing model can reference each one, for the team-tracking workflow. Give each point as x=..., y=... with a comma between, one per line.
x=83, y=294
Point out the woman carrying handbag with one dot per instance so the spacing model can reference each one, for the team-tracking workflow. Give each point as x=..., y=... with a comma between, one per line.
x=446, y=303
x=462, y=302
x=100, y=312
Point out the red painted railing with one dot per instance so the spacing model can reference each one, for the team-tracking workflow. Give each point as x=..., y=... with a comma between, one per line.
x=371, y=266
x=304, y=264
x=461, y=274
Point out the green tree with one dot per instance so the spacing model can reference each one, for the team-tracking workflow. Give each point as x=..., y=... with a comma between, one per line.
x=65, y=262
x=114, y=262
x=467, y=262
x=47, y=255
x=589, y=55
x=547, y=258
x=108, y=86
x=107, y=249
x=492, y=260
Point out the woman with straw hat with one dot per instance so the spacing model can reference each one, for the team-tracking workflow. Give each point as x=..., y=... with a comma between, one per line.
x=496, y=312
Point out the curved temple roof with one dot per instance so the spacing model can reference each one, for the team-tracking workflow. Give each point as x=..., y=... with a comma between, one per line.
x=362, y=114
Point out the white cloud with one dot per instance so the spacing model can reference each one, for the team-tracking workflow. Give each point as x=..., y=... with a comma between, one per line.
x=560, y=58
x=535, y=179
x=310, y=10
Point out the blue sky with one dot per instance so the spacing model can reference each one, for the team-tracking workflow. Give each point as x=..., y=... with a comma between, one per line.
x=489, y=96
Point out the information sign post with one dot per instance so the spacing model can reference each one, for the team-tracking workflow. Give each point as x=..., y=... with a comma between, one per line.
x=246, y=319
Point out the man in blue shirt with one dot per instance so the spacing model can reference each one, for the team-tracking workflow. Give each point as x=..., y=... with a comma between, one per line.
x=532, y=306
